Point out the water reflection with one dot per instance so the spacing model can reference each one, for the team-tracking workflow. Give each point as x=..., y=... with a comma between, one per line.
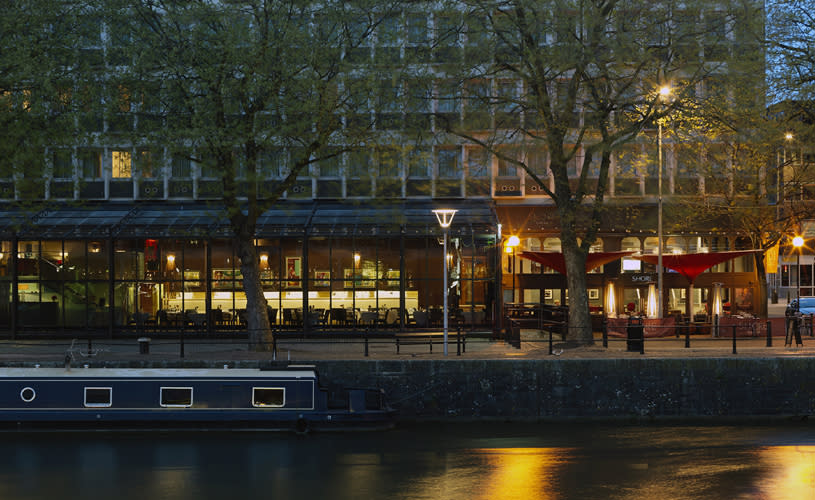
x=473, y=462
x=794, y=476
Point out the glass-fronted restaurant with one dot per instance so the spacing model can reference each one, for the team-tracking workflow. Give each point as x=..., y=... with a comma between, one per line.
x=122, y=268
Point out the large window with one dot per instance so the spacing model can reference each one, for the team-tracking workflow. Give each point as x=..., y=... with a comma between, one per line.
x=121, y=165
x=90, y=163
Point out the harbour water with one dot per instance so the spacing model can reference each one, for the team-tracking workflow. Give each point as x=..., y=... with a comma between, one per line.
x=492, y=461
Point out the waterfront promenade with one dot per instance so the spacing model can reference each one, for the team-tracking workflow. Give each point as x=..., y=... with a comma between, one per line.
x=321, y=346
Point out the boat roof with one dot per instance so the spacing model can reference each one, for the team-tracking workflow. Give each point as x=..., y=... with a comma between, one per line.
x=81, y=372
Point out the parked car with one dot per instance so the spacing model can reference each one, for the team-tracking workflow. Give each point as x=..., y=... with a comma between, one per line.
x=806, y=305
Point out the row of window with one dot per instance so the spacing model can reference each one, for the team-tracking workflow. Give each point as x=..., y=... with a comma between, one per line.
x=169, y=397
x=456, y=29
x=633, y=160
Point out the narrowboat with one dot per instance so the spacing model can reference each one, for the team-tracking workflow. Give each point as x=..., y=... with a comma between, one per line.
x=290, y=398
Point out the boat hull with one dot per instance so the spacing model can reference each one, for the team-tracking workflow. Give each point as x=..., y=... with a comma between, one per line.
x=290, y=400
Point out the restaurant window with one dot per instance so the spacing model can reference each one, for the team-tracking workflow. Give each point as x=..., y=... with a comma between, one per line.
x=597, y=247
x=631, y=244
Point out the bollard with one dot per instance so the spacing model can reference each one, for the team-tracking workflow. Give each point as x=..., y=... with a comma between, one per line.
x=769, y=333
x=551, y=347
x=635, y=335
x=90, y=347
x=734, y=339
x=458, y=341
x=144, y=345
x=687, y=336
x=605, y=334
x=366, y=342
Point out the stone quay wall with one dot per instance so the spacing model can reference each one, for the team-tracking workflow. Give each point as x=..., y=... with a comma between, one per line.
x=634, y=389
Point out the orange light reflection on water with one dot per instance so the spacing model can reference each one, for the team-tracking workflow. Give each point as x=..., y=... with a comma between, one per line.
x=520, y=472
x=793, y=472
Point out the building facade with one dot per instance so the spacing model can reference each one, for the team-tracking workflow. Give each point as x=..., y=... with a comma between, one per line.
x=119, y=236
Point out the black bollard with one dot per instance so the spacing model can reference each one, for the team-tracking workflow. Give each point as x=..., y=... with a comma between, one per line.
x=769, y=333
x=605, y=333
x=734, y=339
x=687, y=336
x=366, y=342
x=458, y=341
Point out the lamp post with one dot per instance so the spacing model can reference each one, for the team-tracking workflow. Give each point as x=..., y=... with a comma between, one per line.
x=664, y=92
x=445, y=218
x=798, y=243
x=509, y=248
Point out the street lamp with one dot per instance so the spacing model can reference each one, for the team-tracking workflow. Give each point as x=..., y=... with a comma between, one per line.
x=445, y=218
x=798, y=243
x=664, y=92
x=509, y=248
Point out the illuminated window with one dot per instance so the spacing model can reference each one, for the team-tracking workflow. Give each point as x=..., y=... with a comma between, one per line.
x=122, y=165
x=268, y=396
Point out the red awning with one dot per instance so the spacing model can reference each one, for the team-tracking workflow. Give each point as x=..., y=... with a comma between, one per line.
x=691, y=265
x=556, y=261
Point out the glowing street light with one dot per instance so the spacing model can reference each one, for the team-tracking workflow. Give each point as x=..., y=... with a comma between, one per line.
x=798, y=243
x=445, y=218
x=509, y=248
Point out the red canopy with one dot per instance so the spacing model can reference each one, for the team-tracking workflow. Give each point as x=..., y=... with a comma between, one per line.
x=691, y=265
x=556, y=261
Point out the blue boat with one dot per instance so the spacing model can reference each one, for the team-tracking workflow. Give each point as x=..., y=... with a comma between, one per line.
x=124, y=398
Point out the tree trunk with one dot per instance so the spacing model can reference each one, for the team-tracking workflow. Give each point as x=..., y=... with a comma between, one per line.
x=761, y=276
x=579, y=317
x=261, y=337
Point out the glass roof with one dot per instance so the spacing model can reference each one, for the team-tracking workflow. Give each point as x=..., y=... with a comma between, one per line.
x=128, y=220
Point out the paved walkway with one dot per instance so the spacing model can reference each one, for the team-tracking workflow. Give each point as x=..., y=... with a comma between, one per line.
x=316, y=348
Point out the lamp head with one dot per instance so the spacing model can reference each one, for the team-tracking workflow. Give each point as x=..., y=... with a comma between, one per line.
x=445, y=216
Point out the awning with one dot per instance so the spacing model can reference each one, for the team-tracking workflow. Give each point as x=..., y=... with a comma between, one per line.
x=364, y=218
x=691, y=265
x=556, y=261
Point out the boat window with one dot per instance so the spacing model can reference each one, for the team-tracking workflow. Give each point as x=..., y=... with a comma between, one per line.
x=28, y=394
x=98, y=396
x=268, y=396
x=176, y=396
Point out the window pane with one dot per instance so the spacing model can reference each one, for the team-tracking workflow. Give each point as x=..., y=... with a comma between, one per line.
x=268, y=396
x=121, y=164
